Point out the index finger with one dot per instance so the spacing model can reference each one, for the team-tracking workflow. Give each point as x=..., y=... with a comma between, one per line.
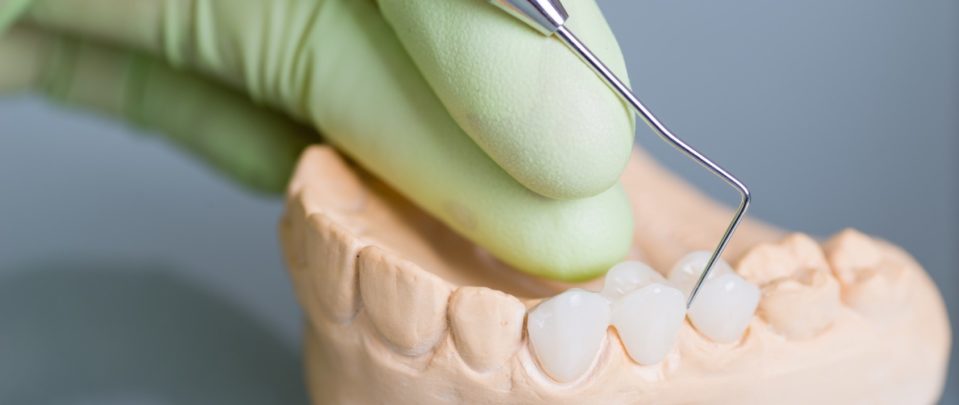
x=524, y=98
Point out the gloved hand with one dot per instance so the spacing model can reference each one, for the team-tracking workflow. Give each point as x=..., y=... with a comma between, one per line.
x=510, y=139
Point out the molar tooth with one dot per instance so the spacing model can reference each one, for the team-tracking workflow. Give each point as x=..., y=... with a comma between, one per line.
x=850, y=253
x=724, y=307
x=628, y=276
x=566, y=332
x=800, y=307
x=873, y=275
x=768, y=262
x=648, y=321
x=487, y=326
x=406, y=304
x=687, y=271
x=800, y=295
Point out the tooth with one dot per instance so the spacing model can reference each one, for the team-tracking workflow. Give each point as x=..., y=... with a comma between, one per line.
x=320, y=251
x=626, y=277
x=566, y=332
x=800, y=294
x=293, y=242
x=851, y=252
x=767, y=262
x=328, y=180
x=801, y=307
x=406, y=304
x=487, y=326
x=873, y=275
x=320, y=257
x=292, y=233
x=331, y=263
x=724, y=307
x=648, y=320
x=725, y=303
x=687, y=271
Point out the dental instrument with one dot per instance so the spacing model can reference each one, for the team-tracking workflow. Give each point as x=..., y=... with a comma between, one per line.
x=549, y=18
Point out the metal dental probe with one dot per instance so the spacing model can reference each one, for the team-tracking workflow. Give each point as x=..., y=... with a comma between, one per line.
x=549, y=17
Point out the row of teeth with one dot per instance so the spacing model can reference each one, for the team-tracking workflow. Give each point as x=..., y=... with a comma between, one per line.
x=647, y=311
x=804, y=286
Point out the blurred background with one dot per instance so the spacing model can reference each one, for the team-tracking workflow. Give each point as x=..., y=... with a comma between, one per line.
x=131, y=273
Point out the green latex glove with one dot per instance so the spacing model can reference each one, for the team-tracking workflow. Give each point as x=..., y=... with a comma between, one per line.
x=256, y=146
x=509, y=139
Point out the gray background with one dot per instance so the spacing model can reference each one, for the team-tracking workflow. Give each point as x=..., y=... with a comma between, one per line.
x=130, y=273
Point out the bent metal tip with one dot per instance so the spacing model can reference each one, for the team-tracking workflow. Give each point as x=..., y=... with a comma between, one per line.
x=549, y=17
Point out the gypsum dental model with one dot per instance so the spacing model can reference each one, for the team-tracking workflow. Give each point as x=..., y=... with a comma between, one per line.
x=401, y=310
x=566, y=331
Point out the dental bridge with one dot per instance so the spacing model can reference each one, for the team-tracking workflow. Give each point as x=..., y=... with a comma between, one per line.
x=646, y=310
x=549, y=18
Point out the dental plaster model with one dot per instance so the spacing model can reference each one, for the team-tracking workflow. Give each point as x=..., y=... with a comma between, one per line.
x=401, y=310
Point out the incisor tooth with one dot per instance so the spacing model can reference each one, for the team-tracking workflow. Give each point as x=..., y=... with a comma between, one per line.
x=800, y=294
x=687, y=270
x=406, y=304
x=321, y=260
x=626, y=277
x=566, y=332
x=292, y=230
x=340, y=188
x=724, y=307
x=331, y=266
x=648, y=320
x=487, y=326
x=320, y=251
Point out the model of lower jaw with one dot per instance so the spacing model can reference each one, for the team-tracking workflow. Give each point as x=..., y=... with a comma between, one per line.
x=401, y=310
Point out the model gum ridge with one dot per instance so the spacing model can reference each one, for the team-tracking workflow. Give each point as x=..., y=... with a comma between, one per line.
x=403, y=310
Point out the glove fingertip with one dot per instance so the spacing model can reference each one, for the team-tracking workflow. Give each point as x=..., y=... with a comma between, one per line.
x=529, y=102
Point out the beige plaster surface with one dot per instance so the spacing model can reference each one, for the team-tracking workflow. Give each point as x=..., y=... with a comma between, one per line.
x=401, y=310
